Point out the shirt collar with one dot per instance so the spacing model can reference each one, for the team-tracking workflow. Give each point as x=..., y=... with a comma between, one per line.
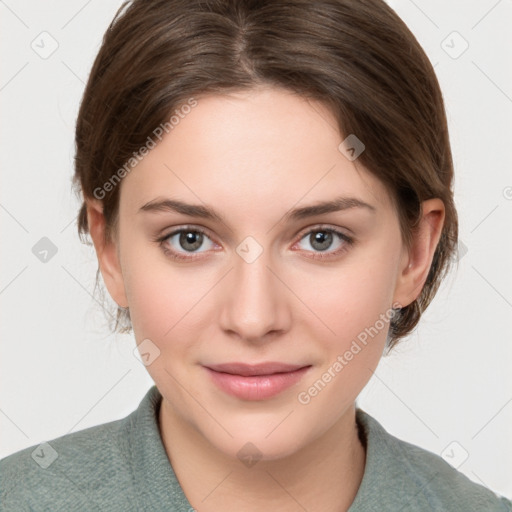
x=389, y=481
x=158, y=486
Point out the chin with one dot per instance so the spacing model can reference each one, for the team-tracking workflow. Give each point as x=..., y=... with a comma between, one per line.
x=259, y=441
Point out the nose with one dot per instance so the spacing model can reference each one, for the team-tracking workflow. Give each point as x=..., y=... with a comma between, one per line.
x=255, y=306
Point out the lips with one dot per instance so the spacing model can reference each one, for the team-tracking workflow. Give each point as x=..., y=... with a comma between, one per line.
x=255, y=382
x=247, y=370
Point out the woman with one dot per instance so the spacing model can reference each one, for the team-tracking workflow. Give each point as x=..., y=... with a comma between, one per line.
x=268, y=186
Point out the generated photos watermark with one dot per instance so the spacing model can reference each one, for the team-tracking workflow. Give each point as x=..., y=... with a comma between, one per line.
x=357, y=345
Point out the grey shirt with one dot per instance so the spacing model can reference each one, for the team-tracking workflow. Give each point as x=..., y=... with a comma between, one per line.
x=123, y=466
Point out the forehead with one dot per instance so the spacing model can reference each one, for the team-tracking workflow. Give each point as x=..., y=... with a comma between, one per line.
x=266, y=148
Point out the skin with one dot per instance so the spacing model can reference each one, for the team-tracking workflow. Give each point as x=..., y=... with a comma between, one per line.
x=254, y=156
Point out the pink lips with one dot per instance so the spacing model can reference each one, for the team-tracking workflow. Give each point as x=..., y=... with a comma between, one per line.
x=255, y=382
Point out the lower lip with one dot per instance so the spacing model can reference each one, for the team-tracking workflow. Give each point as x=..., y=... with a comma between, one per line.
x=256, y=387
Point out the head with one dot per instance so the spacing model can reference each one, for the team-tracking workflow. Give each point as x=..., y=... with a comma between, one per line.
x=254, y=112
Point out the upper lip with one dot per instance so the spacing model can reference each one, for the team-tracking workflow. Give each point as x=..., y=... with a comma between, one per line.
x=247, y=370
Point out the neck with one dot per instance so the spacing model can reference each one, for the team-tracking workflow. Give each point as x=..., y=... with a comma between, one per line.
x=324, y=475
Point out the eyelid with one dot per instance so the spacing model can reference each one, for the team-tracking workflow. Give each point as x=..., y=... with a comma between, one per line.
x=325, y=227
x=186, y=227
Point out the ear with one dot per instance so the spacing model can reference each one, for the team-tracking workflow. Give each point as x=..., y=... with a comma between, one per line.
x=107, y=252
x=415, y=263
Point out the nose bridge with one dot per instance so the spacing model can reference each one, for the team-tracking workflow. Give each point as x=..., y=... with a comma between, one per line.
x=253, y=305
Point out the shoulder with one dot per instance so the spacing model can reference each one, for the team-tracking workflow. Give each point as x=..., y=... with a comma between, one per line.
x=442, y=485
x=409, y=476
x=77, y=471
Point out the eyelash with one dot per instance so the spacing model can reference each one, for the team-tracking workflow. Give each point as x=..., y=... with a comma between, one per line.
x=348, y=242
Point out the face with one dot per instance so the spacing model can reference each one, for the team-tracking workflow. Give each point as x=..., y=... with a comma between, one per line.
x=261, y=279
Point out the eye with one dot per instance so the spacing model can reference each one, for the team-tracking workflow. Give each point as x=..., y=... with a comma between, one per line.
x=185, y=240
x=326, y=242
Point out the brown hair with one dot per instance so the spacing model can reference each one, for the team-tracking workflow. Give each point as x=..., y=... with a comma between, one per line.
x=356, y=56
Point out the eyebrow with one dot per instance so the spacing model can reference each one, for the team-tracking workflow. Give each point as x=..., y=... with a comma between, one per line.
x=205, y=212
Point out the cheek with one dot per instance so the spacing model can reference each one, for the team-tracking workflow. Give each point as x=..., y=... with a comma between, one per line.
x=169, y=304
x=158, y=293
x=359, y=314
x=147, y=288
x=161, y=312
x=149, y=302
x=355, y=307
x=160, y=301
x=353, y=297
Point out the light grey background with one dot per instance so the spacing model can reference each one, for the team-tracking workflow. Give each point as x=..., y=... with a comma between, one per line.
x=448, y=388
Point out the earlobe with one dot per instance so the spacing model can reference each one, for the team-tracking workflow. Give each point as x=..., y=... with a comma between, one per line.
x=106, y=251
x=416, y=262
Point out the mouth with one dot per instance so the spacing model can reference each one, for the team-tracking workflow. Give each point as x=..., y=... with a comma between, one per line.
x=255, y=382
